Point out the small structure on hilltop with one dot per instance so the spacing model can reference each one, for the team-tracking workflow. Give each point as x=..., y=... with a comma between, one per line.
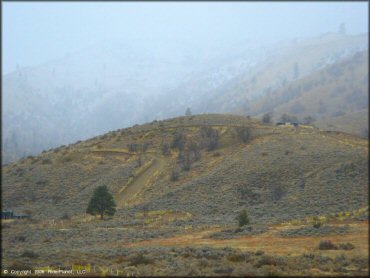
x=288, y=123
x=9, y=214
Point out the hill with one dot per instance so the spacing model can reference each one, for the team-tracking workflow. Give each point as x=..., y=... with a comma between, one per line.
x=179, y=184
x=109, y=86
x=100, y=88
x=298, y=163
x=338, y=94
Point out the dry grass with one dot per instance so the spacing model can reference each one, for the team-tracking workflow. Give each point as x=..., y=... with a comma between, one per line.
x=270, y=242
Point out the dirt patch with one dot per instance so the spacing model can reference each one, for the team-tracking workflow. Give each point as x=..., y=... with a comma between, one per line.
x=270, y=242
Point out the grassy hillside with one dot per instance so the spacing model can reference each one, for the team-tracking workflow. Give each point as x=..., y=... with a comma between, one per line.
x=297, y=162
x=278, y=174
x=334, y=94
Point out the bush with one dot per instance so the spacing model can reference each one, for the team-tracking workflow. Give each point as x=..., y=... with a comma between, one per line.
x=259, y=253
x=269, y=260
x=267, y=118
x=223, y=270
x=244, y=134
x=42, y=182
x=346, y=246
x=194, y=151
x=243, y=218
x=65, y=216
x=203, y=263
x=316, y=223
x=236, y=257
x=209, y=137
x=327, y=245
x=140, y=259
x=310, y=256
x=29, y=254
x=20, y=238
x=166, y=149
x=178, y=141
x=277, y=192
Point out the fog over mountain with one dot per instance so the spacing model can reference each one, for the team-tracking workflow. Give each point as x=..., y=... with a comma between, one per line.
x=75, y=83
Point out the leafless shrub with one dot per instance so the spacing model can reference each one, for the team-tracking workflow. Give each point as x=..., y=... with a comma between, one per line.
x=327, y=245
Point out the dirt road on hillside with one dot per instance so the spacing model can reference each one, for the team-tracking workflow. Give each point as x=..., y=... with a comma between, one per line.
x=123, y=198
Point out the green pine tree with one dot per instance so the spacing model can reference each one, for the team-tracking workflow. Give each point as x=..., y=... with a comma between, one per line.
x=243, y=218
x=102, y=202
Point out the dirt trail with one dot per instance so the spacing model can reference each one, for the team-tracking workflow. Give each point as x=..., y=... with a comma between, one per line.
x=140, y=182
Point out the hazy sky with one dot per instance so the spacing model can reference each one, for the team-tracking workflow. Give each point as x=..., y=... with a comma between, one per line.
x=36, y=32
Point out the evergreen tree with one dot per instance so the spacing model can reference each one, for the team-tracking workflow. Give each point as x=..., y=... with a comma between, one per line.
x=243, y=218
x=102, y=202
x=188, y=112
